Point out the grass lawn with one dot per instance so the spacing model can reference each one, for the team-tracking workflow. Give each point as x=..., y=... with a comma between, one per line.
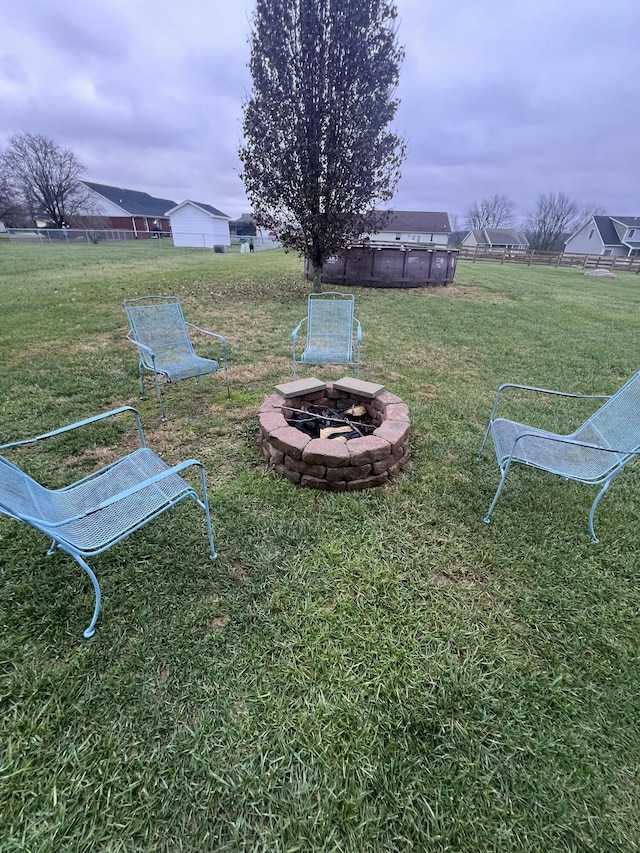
x=373, y=671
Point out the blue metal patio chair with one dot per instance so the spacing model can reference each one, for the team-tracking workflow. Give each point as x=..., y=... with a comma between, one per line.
x=330, y=327
x=99, y=510
x=159, y=331
x=594, y=453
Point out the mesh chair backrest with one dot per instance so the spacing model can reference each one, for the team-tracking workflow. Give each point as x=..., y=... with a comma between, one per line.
x=158, y=323
x=617, y=422
x=21, y=496
x=330, y=324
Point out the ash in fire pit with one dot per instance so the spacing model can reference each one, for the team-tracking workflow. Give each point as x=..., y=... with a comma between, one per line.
x=338, y=436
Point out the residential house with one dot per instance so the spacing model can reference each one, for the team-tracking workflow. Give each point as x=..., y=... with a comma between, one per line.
x=409, y=227
x=495, y=238
x=127, y=210
x=243, y=227
x=606, y=235
x=199, y=225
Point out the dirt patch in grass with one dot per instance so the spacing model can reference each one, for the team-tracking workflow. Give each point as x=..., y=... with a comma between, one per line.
x=99, y=456
x=469, y=292
x=255, y=374
x=67, y=347
x=457, y=361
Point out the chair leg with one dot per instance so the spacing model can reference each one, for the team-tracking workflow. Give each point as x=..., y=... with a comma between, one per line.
x=593, y=509
x=484, y=442
x=205, y=507
x=487, y=517
x=159, y=393
x=90, y=631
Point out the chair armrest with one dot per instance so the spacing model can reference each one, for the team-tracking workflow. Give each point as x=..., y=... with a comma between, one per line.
x=70, y=427
x=358, y=330
x=220, y=338
x=131, y=338
x=295, y=332
x=535, y=389
x=206, y=332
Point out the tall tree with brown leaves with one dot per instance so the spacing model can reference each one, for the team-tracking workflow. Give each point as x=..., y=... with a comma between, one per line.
x=317, y=155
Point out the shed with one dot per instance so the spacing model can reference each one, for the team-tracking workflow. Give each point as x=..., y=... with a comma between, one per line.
x=199, y=225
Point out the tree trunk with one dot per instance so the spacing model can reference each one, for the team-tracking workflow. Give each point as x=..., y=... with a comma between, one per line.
x=317, y=279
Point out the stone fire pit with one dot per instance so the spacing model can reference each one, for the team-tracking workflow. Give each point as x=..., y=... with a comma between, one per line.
x=326, y=463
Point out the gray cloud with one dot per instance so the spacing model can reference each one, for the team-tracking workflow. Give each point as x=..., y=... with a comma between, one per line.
x=496, y=96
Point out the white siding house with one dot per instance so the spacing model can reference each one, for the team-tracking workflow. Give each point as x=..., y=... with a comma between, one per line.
x=407, y=227
x=606, y=235
x=199, y=225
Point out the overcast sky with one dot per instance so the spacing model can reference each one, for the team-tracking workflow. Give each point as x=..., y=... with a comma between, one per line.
x=517, y=97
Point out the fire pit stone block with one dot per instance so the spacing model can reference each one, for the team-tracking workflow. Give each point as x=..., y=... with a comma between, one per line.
x=271, y=421
x=326, y=451
x=290, y=441
x=369, y=448
x=324, y=485
x=368, y=483
x=358, y=388
x=307, y=468
x=352, y=472
x=395, y=432
x=398, y=412
x=300, y=388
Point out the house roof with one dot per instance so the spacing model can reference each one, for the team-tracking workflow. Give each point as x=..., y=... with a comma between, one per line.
x=245, y=218
x=506, y=237
x=500, y=237
x=607, y=230
x=420, y=222
x=628, y=221
x=133, y=202
x=206, y=208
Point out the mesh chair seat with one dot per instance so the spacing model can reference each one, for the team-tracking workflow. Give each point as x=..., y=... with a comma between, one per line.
x=551, y=452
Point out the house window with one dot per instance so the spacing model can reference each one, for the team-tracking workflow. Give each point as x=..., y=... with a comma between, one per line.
x=415, y=238
x=398, y=236
x=608, y=252
x=631, y=233
x=591, y=233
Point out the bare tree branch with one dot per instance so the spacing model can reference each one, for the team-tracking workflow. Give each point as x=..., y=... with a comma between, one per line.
x=11, y=211
x=554, y=218
x=45, y=177
x=496, y=211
